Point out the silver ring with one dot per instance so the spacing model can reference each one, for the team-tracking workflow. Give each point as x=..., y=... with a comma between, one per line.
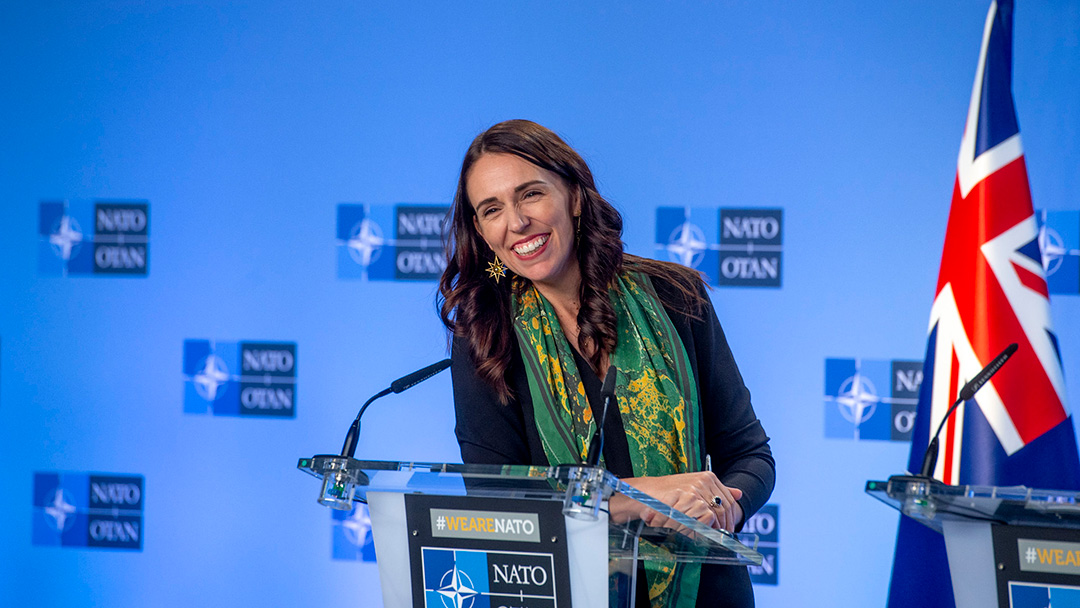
x=717, y=501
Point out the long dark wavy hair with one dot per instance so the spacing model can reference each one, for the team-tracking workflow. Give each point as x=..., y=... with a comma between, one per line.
x=479, y=310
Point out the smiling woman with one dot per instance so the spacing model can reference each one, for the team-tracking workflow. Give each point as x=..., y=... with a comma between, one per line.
x=528, y=353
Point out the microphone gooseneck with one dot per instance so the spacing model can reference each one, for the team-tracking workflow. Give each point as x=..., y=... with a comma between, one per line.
x=966, y=394
x=397, y=386
x=607, y=393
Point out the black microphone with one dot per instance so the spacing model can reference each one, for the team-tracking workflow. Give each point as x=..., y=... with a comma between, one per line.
x=397, y=386
x=607, y=392
x=966, y=393
x=981, y=378
x=418, y=376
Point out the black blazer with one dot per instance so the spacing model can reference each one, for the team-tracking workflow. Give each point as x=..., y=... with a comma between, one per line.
x=491, y=433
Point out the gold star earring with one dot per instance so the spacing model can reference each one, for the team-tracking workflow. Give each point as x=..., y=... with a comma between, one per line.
x=496, y=270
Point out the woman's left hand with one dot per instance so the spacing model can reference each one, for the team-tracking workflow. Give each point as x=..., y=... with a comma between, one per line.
x=700, y=495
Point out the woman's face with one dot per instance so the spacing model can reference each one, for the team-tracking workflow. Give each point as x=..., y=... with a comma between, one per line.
x=524, y=214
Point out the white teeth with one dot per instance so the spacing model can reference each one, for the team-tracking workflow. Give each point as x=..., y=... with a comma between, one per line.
x=531, y=246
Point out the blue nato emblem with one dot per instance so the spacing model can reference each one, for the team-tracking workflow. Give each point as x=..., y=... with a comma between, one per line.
x=1035, y=595
x=731, y=247
x=63, y=246
x=765, y=524
x=689, y=237
x=871, y=399
x=1059, y=243
x=240, y=378
x=390, y=242
x=352, y=539
x=455, y=578
x=103, y=511
x=118, y=246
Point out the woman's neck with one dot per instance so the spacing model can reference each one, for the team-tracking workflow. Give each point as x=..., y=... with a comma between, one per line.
x=564, y=297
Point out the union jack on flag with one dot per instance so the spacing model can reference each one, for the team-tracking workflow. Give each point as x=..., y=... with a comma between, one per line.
x=991, y=292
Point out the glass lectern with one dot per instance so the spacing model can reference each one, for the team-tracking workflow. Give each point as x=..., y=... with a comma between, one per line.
x=1006, y=546
x=540, y=536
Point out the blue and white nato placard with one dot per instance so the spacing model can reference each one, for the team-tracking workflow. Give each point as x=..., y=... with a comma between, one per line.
x=240, y=378
x=485, y=579
x=871, y=399
x=766, y=525
x=731, y=247
x=1059, y=240
x=401, y=242
x=119, y=244
x=102, y=511
x=514, y=554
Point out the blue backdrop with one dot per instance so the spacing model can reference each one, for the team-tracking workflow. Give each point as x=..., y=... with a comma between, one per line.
x=243, y=126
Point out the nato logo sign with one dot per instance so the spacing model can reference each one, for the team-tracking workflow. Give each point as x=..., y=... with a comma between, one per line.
x=390, y=242
x=1059, y=241
x=731, y=247
x=766, y=525
x=871, y=399
x=118, y=246
x=240, y=378
x=351, y=532
x=482, y=579
x=88, y=510
x=513, y=553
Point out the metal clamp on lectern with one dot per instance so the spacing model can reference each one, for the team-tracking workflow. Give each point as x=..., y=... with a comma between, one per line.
x=585, y=492
x=339, y=480
x=917, y=493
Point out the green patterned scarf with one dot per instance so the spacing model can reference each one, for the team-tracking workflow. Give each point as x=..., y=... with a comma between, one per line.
x=657, y=397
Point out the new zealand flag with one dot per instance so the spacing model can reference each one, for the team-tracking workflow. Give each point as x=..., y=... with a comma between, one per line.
x=991, y=292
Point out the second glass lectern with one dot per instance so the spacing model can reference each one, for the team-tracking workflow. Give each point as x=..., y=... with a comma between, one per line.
x=454, y=534
x=1006, y=546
